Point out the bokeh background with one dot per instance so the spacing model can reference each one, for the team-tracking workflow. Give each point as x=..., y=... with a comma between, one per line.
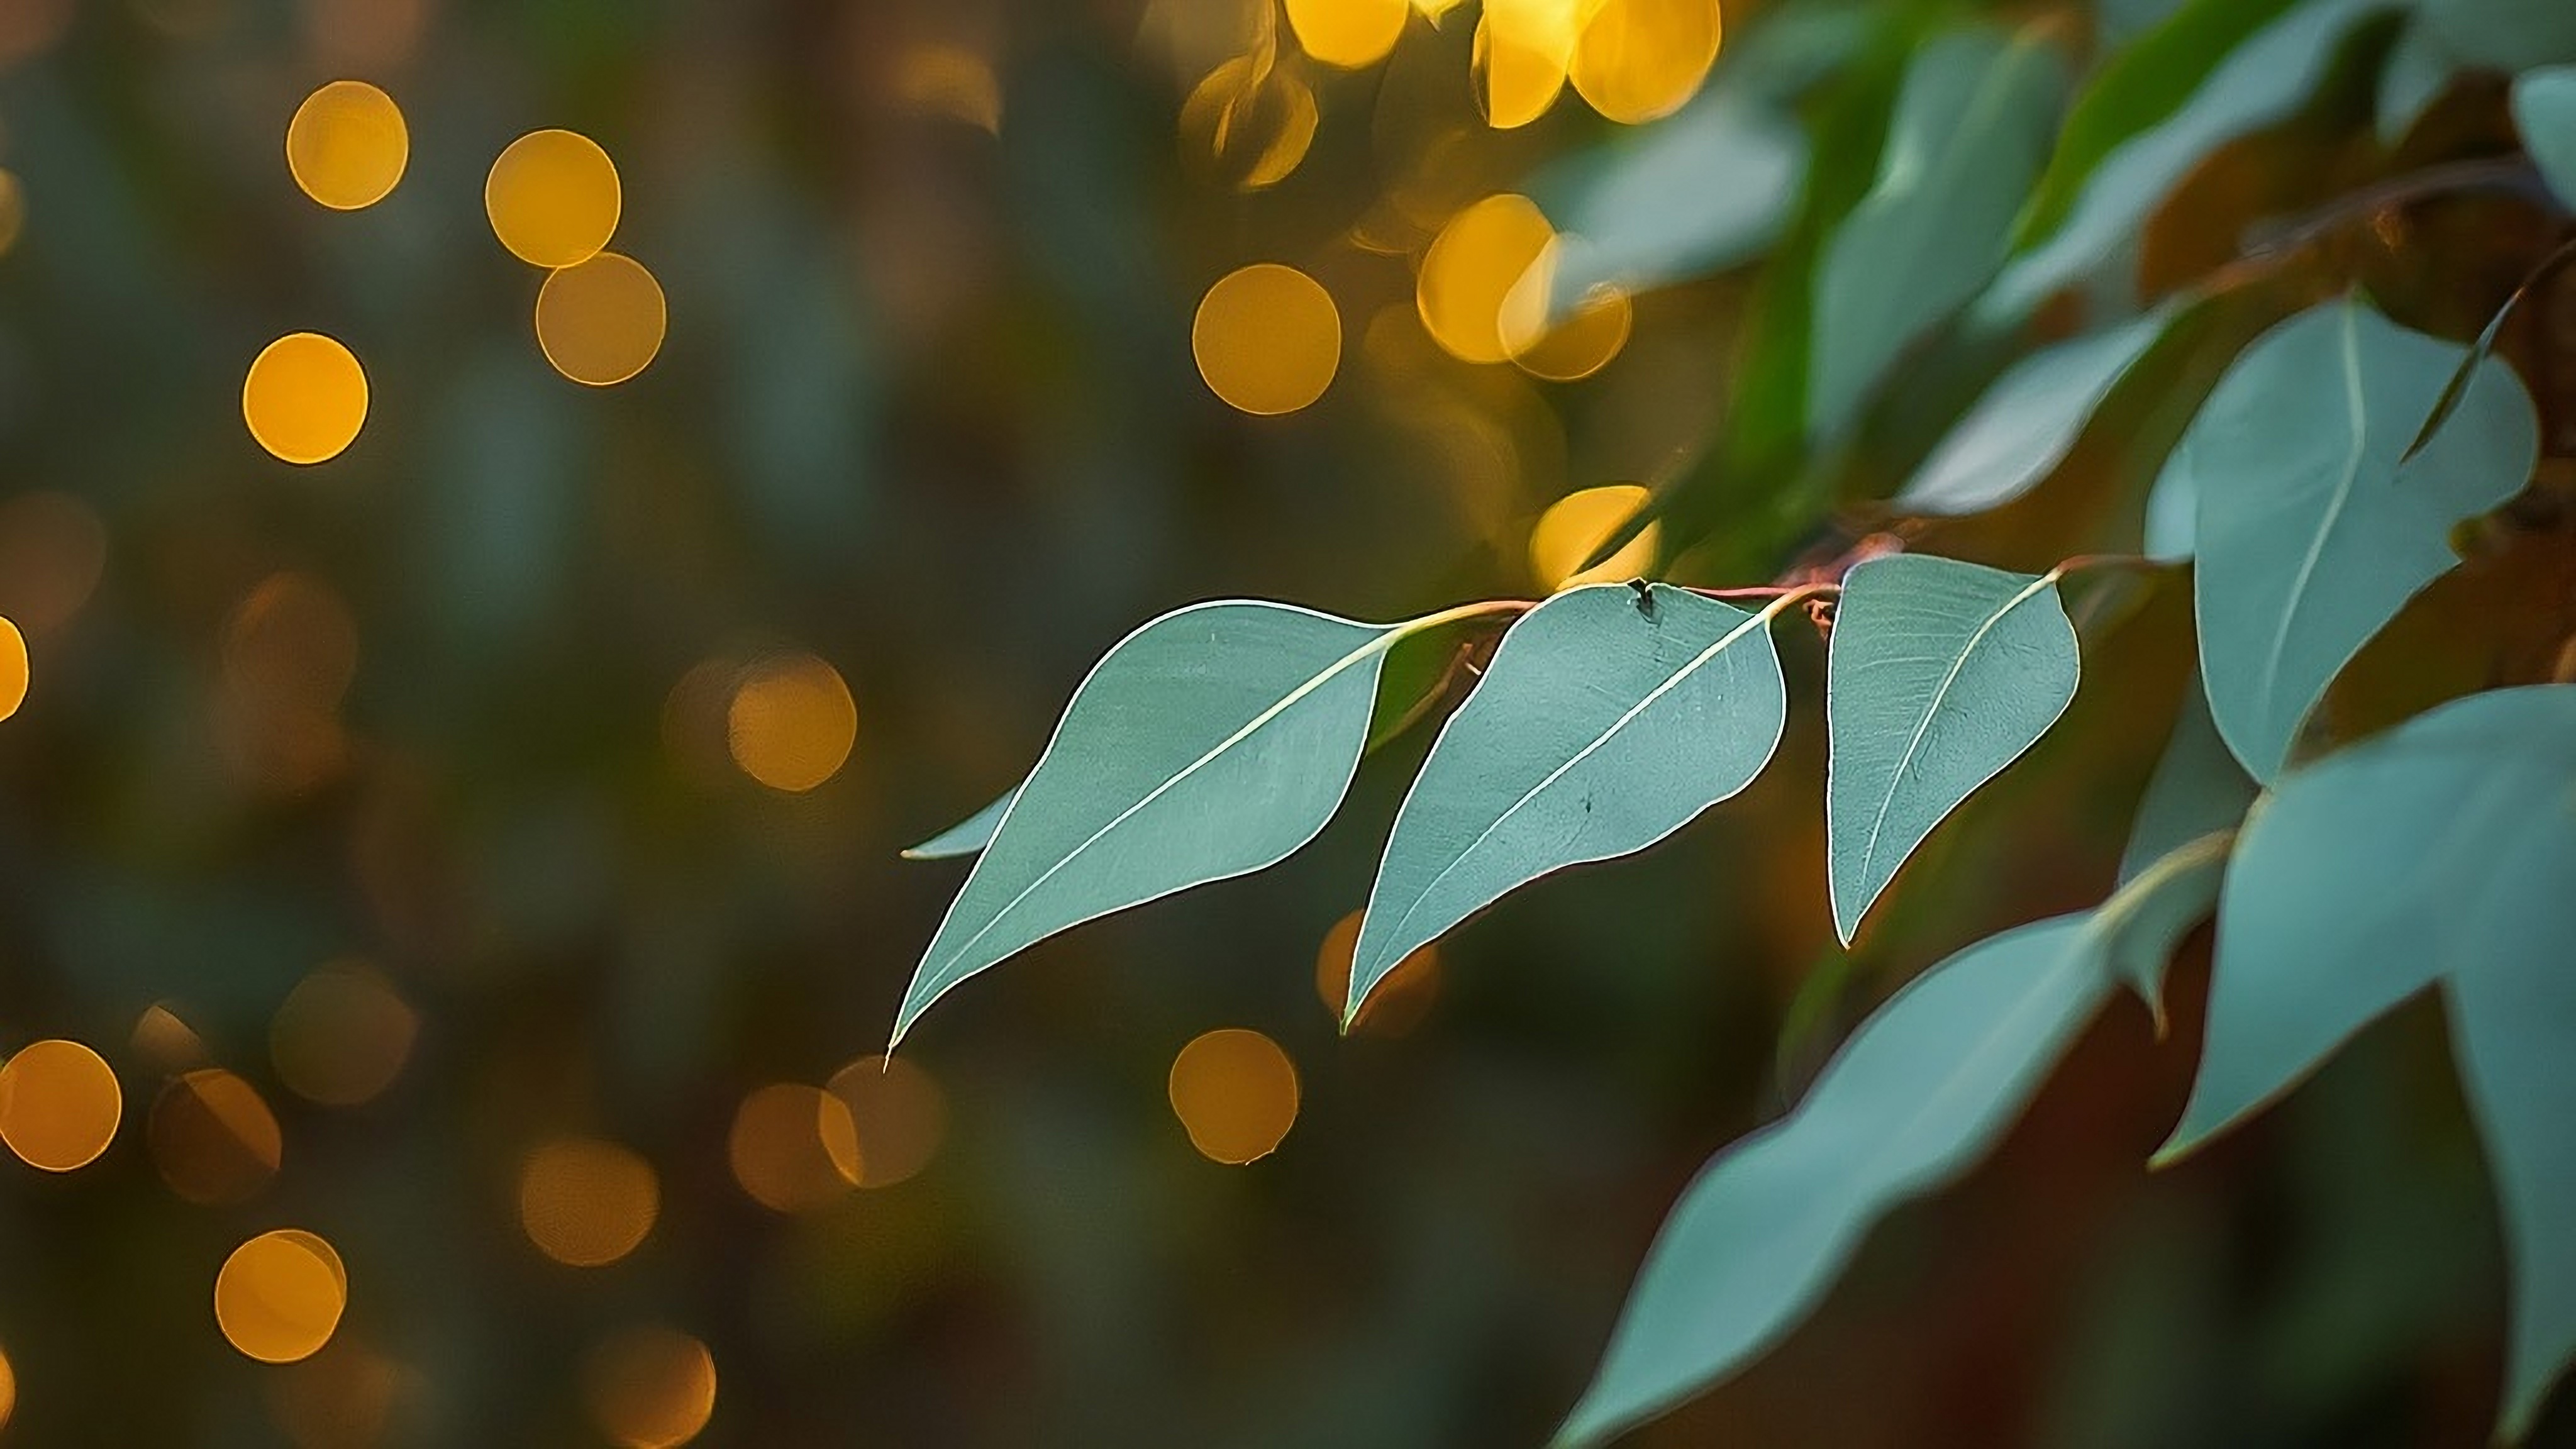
x=478, y=851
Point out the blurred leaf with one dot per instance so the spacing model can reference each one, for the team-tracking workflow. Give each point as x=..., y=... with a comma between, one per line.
x=2544, y=108
x=1920, y=1092
x=2506, y=35
x=1970, y=132
x=1940, y=674
x=2197, y=789
x=2311, y=533
x=2417, y=71
x=2440, y=851
x=2186, y=89
x=1608, y=720
x=2151, y=912
x=2028, y=422
x=967, y=836
x=1210, y=743
x=1696, y=194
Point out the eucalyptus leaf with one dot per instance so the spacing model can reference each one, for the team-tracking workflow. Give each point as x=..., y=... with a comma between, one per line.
x=967, y=836
x=2028, y=422
x=2419, y=68
x=1693, y=195
x=2544, y=109
x=2505, y=35
x=2440, y=851
x=1970, y=132
x=1209, y=743
x=1609, y=719
x=2311, y=533
x=2150, y=914
x=2197, y=789
x=1920, y=1092
x=2144, y=127
x=1940, y=673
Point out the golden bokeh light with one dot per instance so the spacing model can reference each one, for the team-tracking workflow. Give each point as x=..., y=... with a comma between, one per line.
x=342, y=1035
x=1561, y=348
x=1520, y=54
x=163, y=1039
x=1577, y=525
x=650, y=1388
x=793, y=1147
x=552, y=198
x=792, y=722
x=8, y=1390
x=305, y=398
x=213, y=1138
x=53, y=550
x=586, y=1202
x=13, y=210
x=1403, y=996
x=600, y=321
x=59, y=1105
x=1347, y=33
x=280, y=1295
x=340, y=1398
x=897, y=1113
x=1251, y=120
x=1472, y=269
x=347, y=145
x=15, y=671
x=1268, y=339
x=1235, y=1092
x=1640, y=60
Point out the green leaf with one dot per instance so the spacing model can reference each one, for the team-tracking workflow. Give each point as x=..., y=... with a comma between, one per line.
x=1918, y=1094
x=2544, y=108
x=1971, y=128
x=2417, y=71
x=1696, y=194
x=967, y=836
x=2310, y=533
x=2506, y=35
x=2197, y=789
x=2027, y=422
x=2151, y=912
x=1939, y=675
x=2442, y=850
x=1210, y=743
x=1608, y=720
x=2147, y=123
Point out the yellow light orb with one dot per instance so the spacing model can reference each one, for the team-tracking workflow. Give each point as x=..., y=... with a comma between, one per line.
x=1574, y=528
x=59, y=1105
x=1472, y=269
x=305, y=398
x=279, y=1296
x=1562, y=348
x=792, y=722
x=342, y=1035
x=1252, y=121
x=213, y=1138
x=1520, y=54
x=1640, y=60
x=1403, y=996
x=898, y=1114
x=585, y=1202
x=1235, y=1092
x=13, y=210
x=347, y=145
x=600, y=321
x=793, y=1147
x=8, y=1390
x=14, y=670
x=650, y=1388
x=169, y=1043
x=1347, y=33
x=1268, y=339
x=552, y=198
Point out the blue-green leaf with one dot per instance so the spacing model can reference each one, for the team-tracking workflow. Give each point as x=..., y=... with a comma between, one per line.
x=2027, y=422
x=2311, y=533
x=1939, y=675
x=1916, y=1096
x=2152, y=911
x=1971, y=129
x=1608, y=720
x=2506, y=35
x=967, y=836
x=2544, y=107
x=2159, y=123
x=1696, y=194
x=1211, y=742
x=2197, y=789
x=2442, y=850
x=2416, y=73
